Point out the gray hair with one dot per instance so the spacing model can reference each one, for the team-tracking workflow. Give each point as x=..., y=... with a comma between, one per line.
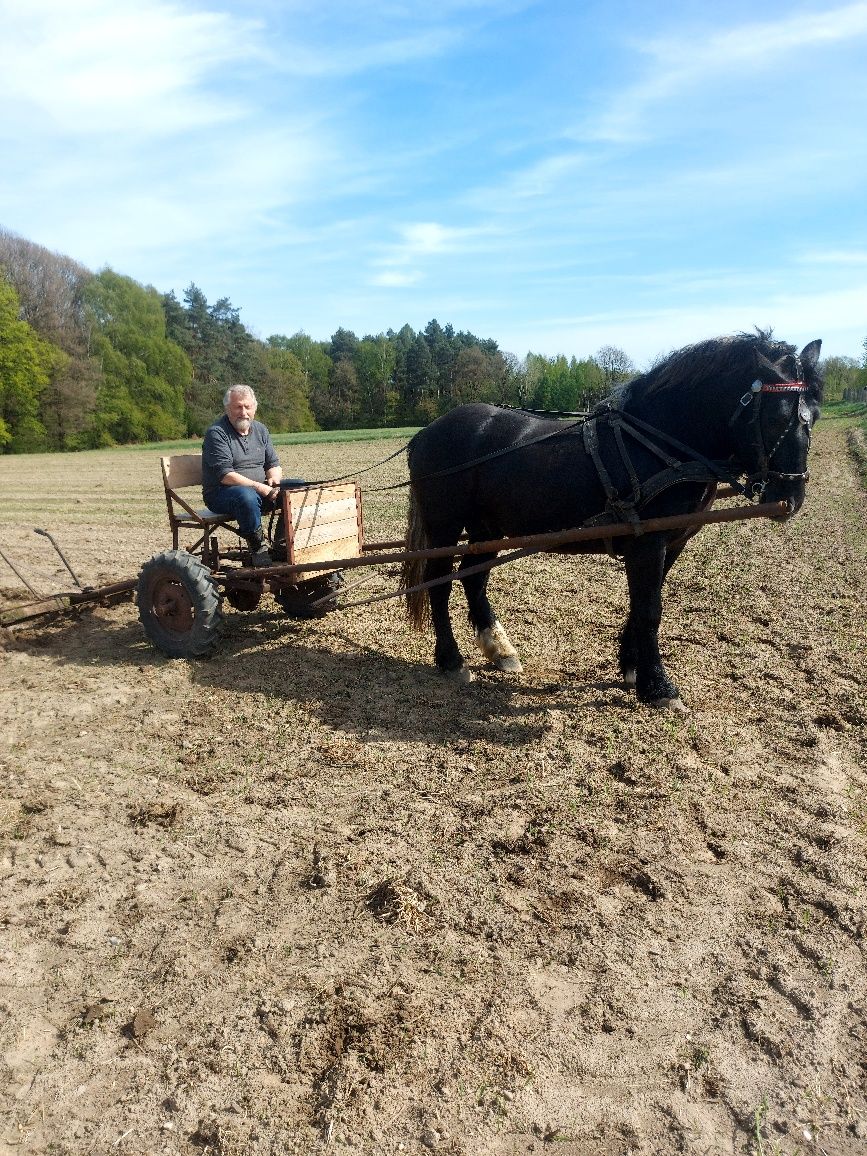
x=244, y=389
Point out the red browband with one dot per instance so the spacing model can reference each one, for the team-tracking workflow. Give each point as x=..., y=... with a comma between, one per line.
x=783, y=387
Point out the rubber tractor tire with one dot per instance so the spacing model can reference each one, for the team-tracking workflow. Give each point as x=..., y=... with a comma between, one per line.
x=180, y=605
x=295, y=600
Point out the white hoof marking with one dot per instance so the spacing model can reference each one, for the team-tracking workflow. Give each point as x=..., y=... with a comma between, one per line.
x=463, y=676
x=630, y=677
x=495, y=645
x=675, y=704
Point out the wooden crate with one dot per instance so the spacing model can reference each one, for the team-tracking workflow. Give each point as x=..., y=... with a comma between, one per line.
x=323, y=523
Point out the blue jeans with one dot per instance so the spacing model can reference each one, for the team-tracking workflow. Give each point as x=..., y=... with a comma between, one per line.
x=245, y=505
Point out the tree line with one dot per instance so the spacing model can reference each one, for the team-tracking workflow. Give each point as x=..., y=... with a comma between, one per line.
x=96, y=359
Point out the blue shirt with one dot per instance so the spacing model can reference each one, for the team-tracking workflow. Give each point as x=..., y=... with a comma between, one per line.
x=224, y=450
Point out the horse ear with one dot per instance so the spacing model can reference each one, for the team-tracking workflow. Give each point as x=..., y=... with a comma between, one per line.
x=810, y=353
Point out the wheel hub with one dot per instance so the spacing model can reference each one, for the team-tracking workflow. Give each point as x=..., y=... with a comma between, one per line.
x=172, y=606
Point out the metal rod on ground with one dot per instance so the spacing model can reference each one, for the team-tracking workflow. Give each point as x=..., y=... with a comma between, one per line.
x=19, y=575
x=63, y=559
x=56, y=602
x=349, y=586
x=373, y=547
x=93, y=594
x=395, y=544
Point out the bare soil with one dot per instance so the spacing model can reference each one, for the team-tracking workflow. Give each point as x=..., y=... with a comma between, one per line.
x=308, y=896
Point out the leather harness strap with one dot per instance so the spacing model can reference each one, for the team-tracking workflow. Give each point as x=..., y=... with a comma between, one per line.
x=626, y=508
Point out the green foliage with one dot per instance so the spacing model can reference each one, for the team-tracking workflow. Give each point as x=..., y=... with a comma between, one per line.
x=26, y=365
x=841, y=373
x=553, y=383
x=220, y=350
x=404, y=376
x=375, y=360
x=50, y=290
x=144, y=375
x=283, y=399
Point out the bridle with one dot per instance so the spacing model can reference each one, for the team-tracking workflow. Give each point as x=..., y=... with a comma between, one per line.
x=749, y=409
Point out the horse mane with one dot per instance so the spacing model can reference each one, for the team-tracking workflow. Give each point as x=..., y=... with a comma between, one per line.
x=720, y=359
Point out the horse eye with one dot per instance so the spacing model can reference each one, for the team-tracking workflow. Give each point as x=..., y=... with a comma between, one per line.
x=805, y=415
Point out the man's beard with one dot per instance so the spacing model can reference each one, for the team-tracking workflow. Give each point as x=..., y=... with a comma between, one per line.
x=242, y=425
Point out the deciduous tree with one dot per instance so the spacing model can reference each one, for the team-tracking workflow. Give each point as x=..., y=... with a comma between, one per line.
x=616, y=366
x=145, y=376
x=26, y=365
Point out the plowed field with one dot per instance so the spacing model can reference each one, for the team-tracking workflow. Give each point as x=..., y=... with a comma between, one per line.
x=308, y=896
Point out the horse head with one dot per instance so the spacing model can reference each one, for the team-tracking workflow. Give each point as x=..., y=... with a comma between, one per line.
x=772, y=422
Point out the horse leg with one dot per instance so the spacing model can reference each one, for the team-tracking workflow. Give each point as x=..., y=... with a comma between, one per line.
x=491, y=637
x=628, y=653
x=447, y=656
x=647, y=564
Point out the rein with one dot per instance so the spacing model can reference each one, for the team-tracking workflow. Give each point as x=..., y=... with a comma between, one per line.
x=696, y=468
x=556, y=433
x=366, y=470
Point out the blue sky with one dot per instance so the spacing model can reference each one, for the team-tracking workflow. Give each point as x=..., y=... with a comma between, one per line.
x=556, y=175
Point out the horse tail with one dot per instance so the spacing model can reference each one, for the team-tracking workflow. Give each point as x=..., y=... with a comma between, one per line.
x=412, y=570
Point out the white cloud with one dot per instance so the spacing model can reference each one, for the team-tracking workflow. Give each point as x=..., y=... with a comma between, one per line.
x=701, y=62
x=429, y=237
x=393, y=279
x=836, y=316
x=349, y=39
x=419, y=242
x=330, y=60
x=101, y=66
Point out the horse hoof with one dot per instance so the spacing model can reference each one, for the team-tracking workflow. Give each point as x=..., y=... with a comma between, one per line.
x=675, y=704
x=461, y=676
x=510, y=663
x=495, y=645
x=630, y=678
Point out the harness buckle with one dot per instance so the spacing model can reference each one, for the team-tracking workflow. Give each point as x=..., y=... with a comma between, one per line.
x=757, y=489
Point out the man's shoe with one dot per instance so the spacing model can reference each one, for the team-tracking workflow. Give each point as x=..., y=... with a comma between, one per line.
x=261, y=557
x=258, y=549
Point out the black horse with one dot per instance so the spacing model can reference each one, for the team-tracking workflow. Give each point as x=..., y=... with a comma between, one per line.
x=732, y=408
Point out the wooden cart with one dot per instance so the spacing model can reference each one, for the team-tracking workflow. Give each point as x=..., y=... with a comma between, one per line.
x=181, y=592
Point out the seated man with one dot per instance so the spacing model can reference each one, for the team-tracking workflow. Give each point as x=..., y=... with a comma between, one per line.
x=240, y=469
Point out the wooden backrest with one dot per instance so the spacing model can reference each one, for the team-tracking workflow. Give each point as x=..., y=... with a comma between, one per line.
x=323, y=523
x=181, y=470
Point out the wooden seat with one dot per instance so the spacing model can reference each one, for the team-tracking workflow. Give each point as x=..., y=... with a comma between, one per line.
x=183, y=472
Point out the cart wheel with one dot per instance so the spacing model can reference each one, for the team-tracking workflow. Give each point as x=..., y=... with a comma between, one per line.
x=179, y=604
x=241, y=599
x=295, y=599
